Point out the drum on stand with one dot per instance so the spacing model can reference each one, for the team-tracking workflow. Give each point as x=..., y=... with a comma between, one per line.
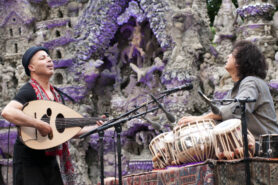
x=268, y=146
x=159, y=148
x=228, y=143
x=193, y=141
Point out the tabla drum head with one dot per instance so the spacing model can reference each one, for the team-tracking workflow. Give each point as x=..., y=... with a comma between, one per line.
x=169, y=138
x=229, y=124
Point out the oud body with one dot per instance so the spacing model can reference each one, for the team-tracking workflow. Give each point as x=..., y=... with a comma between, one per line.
x=64, y=121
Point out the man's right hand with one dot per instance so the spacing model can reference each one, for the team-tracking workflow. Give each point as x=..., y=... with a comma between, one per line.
x=13, y=113
x=188, y=119
x=44, y=128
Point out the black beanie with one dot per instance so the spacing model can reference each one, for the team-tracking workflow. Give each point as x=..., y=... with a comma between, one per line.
x=29, y=54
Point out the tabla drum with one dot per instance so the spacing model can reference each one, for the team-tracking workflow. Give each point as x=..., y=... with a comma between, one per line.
x=228, y=143
x=193, y=141
x=160, y=152
x=268, y=146
x=170, y=143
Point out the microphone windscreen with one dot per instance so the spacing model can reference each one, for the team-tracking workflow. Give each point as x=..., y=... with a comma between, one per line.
x=170, y=117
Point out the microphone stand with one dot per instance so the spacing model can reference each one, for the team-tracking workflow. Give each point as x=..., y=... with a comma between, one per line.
x=164, y=93
x=116, y=122
x=101, y=136
x=169, y=116
x=109, y=124
x=242, y=102
x=118, y=127
x=106, y=125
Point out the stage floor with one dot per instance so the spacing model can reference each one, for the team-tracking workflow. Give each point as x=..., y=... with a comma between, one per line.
x=232, y=172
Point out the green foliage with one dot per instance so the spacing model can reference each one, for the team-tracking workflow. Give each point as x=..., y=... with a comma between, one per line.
x=213, y=7
x=212, y=29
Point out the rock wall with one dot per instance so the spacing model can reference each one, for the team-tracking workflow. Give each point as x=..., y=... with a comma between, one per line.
x=109, y=55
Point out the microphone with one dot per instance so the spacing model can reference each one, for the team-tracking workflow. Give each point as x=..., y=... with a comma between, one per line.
x=183, y=87
x=155, y=125
x=169, y=116
x=214, y=108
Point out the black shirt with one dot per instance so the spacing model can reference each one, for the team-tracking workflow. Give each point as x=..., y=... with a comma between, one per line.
x=26, y=93
x=33, y=167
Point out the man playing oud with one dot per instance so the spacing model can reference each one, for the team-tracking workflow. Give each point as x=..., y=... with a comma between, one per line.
x=38, y=167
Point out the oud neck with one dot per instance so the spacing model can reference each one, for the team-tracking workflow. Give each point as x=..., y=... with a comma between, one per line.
x=77, y=122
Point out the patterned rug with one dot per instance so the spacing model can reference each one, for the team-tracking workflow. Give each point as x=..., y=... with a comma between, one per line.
x=262, y=171
x=232, y=172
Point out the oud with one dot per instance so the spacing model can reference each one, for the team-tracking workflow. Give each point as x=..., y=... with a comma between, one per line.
x=64, y=121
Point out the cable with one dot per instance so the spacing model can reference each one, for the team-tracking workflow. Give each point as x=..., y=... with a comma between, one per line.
x=8, y=154
x=65, y=94
x=115, y=155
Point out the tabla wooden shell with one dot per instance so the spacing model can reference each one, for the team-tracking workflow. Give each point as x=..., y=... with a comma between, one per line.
x=159, y=148
x=194, y=141
x=228, y=143
x=170, y=143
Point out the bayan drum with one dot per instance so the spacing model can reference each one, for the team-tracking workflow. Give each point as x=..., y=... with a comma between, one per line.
x=193, y=141
x=268, y=146
x=159, y=148
x=228, y=143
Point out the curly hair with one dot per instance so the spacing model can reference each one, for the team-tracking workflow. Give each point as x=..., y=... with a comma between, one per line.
x=250, y=60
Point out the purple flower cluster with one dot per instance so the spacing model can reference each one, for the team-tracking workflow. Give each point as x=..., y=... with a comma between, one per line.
x=220, y=95
x=63, y=63
x=108, y=140
x=273, y=85
x=36, y=1
x=5, y=124
x=155, y=12
x=57, y=23
x=151, y=71
x=76, y=92
x=97, y=31
x=250, y=26
x=135, y=128
x=170, y=81
x=186, y=164
x=58, y=42
x=213, y=51
x=140, y=165
x=6, y=162
x=4, y=141
x=133, y=10
x=256, y=10
x=56, y=3
x=20, y=19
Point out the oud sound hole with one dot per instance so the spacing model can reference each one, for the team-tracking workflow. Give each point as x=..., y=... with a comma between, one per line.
x=60, y=123
x=49, y=112
x=46, y=119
